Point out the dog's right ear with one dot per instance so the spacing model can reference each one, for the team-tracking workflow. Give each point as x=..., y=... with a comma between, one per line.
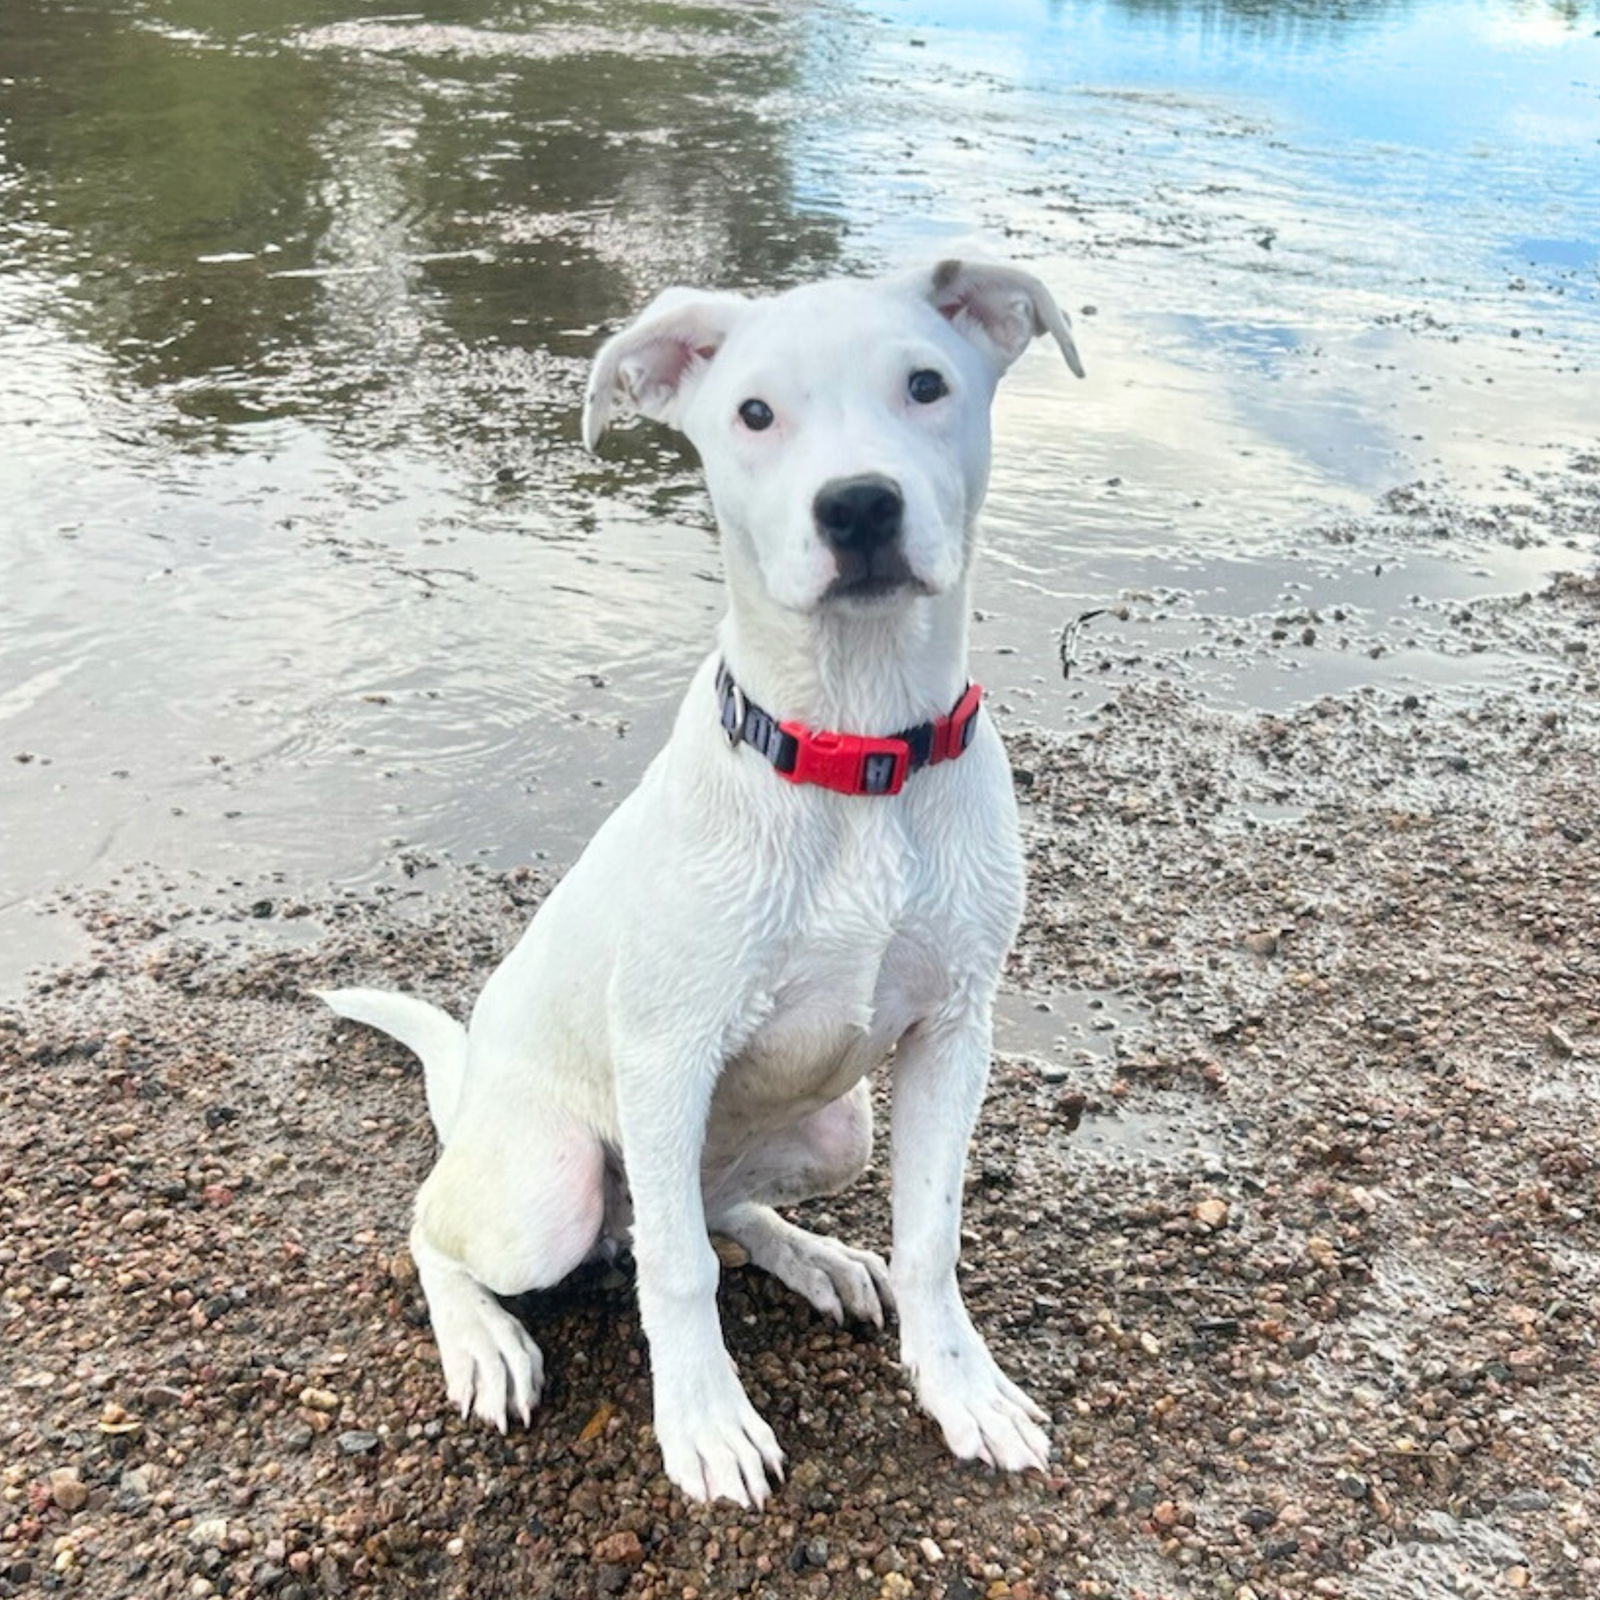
x=654, y=363
x=1000, y=309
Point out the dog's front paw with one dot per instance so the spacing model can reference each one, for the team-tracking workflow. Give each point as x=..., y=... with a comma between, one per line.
x=715, y=1445
x=983, y=1414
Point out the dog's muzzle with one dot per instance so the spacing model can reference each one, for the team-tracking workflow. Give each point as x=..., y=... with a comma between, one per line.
x=860, y=521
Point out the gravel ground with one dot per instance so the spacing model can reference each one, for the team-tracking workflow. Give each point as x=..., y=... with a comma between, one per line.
x=1303, y=1255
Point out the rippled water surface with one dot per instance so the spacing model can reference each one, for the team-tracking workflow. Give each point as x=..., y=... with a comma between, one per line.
x=302, y=567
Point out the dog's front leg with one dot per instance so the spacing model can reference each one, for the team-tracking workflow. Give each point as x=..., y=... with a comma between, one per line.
x=714, y=1445
x=940, y=1071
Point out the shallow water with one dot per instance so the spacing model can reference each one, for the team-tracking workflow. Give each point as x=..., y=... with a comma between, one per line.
x=304, y=576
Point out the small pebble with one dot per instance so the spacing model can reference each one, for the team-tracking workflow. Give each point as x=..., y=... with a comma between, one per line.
x=619, y=1549
x=66, y=1489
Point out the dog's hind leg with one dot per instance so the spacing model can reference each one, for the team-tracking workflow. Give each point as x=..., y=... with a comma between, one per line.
x=513, y=1203
x=821, y=1154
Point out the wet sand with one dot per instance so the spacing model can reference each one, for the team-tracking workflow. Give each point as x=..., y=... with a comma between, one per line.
x=1288, y=1209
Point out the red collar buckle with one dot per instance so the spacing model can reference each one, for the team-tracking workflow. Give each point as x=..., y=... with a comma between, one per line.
x=848, y=762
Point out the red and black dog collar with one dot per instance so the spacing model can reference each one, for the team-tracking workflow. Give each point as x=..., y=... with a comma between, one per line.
x=848, y=763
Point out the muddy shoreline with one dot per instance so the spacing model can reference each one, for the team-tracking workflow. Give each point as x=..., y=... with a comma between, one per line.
x=1294, y=1226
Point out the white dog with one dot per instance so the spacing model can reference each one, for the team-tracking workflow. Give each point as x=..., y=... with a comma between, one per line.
x=820, y=871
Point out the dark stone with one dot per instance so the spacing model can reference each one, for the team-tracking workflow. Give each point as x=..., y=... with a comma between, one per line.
x=1527, y=1500
x=1070, y=1108
x=357, y=1442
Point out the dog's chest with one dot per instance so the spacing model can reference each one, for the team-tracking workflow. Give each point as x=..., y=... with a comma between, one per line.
x=848, y=978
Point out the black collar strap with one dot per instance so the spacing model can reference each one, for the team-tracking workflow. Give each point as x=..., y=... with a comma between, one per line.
x=848, y=763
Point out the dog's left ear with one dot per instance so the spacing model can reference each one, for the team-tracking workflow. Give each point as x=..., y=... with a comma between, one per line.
x=654, y=363
x=1000, y=309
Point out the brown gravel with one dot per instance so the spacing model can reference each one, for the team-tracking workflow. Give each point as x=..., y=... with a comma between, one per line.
x=1305, y=1262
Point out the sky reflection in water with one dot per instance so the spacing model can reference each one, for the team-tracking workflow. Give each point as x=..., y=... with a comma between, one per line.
x=299, y=554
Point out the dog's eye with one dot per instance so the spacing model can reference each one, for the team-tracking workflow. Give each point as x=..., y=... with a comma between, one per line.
x=926, y=386
x=756, y=415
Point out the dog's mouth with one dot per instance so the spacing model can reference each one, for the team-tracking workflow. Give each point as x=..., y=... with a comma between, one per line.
x=871, y=575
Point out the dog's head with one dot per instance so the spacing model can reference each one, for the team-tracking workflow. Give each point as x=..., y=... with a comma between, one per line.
x=843, y=426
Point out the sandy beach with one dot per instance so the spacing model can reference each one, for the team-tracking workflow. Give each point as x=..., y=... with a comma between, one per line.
x=1297, y=1237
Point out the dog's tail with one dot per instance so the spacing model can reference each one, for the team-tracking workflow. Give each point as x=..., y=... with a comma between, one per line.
x=436, y=1039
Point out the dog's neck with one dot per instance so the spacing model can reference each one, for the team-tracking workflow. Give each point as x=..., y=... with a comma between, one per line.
x=849, y=669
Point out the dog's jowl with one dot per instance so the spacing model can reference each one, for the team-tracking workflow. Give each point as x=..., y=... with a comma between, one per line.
x=820, y=873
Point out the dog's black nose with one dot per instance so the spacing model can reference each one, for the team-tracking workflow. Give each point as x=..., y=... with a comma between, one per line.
x=859, y=513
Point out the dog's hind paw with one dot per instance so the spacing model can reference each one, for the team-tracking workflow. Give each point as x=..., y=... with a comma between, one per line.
x=836, y=1278
x=491, y=1367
